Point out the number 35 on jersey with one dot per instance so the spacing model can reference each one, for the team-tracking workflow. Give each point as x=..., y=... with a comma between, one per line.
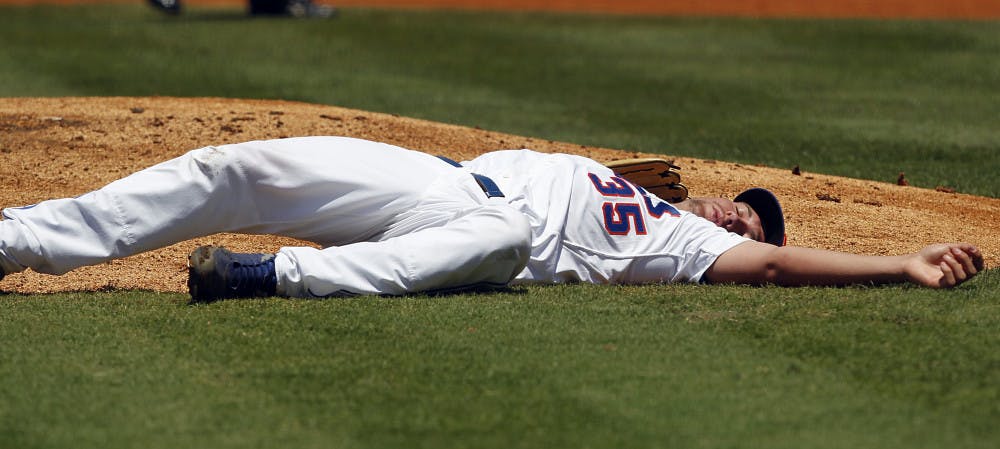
x=623, y=205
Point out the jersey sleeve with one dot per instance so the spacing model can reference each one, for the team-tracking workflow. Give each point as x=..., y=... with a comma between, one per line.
x=680, y=251
x=706, y=243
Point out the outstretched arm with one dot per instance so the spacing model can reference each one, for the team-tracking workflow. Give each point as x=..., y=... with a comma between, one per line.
x=941, y=265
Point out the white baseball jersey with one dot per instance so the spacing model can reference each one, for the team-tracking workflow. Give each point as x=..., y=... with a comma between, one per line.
x=589, y=225
x=390, y=220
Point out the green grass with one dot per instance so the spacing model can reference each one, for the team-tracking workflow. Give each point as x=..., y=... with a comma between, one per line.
x=862, y=98
x=575, y=366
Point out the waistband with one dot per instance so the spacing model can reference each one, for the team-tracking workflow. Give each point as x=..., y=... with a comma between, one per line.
x=490, y=188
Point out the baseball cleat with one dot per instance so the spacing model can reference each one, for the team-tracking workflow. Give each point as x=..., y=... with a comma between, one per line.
x=216, y=273
x=172, y=7
x=308, y=9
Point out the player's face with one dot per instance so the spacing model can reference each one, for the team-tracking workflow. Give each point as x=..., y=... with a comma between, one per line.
x=738, y=218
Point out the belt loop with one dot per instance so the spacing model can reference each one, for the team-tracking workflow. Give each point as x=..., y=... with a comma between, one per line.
x=489, y=187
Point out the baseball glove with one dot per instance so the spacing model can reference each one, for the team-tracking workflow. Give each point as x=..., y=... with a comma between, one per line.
x=657, y=176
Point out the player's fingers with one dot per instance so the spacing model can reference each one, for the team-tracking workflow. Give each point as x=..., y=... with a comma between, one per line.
x=957, y=270
x=977, y=258
x=947, y=276
x=965, y=259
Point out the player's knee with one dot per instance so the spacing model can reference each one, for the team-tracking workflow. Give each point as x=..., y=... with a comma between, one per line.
x=246, y=157
x=216, y=163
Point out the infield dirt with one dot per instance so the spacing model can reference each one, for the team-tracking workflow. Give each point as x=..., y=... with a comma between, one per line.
x=63, y=147
x=59, y=147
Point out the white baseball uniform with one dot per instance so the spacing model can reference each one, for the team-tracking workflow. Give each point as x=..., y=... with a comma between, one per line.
x=390, y=220
x=589, y=225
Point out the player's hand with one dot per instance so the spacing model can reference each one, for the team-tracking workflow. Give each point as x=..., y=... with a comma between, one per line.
x=944, y=265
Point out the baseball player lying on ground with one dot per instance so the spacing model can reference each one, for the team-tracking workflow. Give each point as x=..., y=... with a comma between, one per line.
x=395, y=221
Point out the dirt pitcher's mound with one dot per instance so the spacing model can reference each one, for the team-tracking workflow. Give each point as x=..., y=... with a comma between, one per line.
x=59, y=147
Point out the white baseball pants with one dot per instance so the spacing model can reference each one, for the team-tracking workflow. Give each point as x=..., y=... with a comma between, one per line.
x=391, y=221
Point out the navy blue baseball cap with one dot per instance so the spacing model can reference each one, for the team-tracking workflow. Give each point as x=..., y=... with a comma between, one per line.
x=769, y=210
